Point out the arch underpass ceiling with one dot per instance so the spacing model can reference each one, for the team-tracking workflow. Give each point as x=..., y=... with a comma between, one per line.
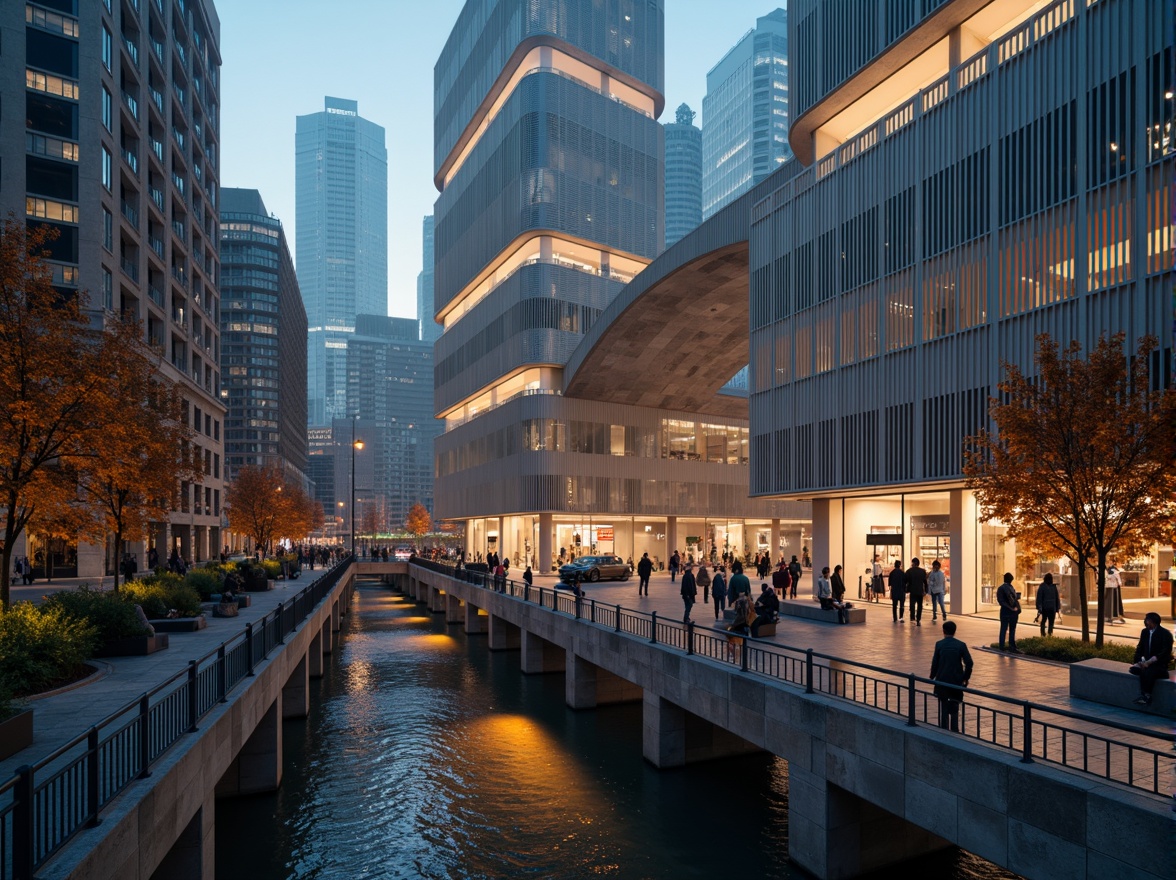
x=674, y=336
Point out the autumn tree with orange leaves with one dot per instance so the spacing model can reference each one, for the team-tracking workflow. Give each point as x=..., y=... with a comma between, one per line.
x=1083, y=459
x=61, y=378
x=418, y=521
x=263, y=504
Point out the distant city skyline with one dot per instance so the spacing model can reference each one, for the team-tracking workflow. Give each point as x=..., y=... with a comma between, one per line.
x=354, y=52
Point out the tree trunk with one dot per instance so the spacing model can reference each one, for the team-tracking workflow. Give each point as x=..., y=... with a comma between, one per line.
x=1085, y=611
x=117, y=557
x=1102, y=598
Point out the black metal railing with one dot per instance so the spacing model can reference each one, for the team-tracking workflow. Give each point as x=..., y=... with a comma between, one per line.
x=1137, y=757
x=45, y=804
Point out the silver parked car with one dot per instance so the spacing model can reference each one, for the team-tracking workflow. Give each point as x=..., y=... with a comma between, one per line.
x=595, y=568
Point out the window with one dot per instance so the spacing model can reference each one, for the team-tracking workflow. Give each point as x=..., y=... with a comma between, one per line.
x=107, y=109
x=107, y=48
x=108, y=230
x=107, y=170
x=107, y=289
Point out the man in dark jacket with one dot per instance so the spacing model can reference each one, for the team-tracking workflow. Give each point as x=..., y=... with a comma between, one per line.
x=794, y=572
x=767, y=608
x=896, y=580
x=781, y=580
x=916, y=587
x=1048, y=602
x=689, y=591
x=951, y=664
x=1152, y=656
x=675, y=563
x=644, y=570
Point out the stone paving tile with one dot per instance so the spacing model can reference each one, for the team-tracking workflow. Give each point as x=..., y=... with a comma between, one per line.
x=60, y=718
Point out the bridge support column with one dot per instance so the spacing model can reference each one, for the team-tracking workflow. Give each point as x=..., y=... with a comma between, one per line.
x=193, y=855
x=588, y=685
x=336, y=616
x=540, y=655
x=328, y=637
x=296, y=692
x=314, y=657
x=258, y=766
x=504, y=636
x=475, y=623
x=835, y=834
x=673, y=737
x=453, y=609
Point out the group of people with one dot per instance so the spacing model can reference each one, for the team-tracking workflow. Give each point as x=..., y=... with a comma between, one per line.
x=22, y=570
x=831, y=593
x=915, y=584
x=715, y=588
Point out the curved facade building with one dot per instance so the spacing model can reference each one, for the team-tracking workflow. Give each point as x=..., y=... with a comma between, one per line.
x=982, y=172
x=548, y=157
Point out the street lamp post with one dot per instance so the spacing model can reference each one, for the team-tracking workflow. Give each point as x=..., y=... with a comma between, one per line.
x=355, y=444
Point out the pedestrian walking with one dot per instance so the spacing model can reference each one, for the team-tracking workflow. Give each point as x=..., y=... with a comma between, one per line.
x=951, y=669
x=794, y=572
x=1010, y=609
x=644, y=570
x=738, y=584
x=937, y=588
x=1113, y=600
x=916, y=587
x=897, y=583
x=689, y=591
x=877, y=579
x=719, y=591
x=1047, y=602
x=675, y=564
x=703, y=579
x=781, y=580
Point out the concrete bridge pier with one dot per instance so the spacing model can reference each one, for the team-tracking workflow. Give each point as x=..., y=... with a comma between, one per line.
x=193, y=854
x=296, y=691
x=436, y=600
x=453, y=613
x=504, y=636
x=328, y=637
x=257, y=767
x=475, y=623
x=539, y=655
x=315, y=667
x=673, y=737
x=588, y=685
x=336, y=616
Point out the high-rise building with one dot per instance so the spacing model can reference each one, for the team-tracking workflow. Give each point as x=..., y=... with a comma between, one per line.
x=745, y=113
x=430, y=329
x=263, y=341
x=111, y=136
x=341, y=241
x=390, y=390
x=683, y=175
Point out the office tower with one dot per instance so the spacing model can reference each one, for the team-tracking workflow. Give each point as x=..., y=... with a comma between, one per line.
x=341, y=241
x=390, y=391
x=263, y=341
x=430, y=329
x=111, y=136
x=320, y=469
x=745, y=113
x=683, y=175
x=922, y=247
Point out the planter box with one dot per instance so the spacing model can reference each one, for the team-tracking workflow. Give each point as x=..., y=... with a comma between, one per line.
x=257, y=585
x=179, y=624
x=227, y=610
x=242, y=601
x=16, y=733
x=135, y=646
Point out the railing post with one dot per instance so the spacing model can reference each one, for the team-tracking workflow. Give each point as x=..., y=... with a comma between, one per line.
x=1027, y=735
x=653, y=628
x=690, y=637
x=592, y=610
x=249, y=645
x=144, y=737
x=577, y=608
x=193, y=702
x=618, y=629
x=22, y=825
x=744, y=654
x=280, y=614
x=911, y=722
x=526, y=592
x=92, y=777
x=808, y=671
x=222, y=674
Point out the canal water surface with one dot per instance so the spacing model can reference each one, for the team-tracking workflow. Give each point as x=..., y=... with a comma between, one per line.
x=426, y=756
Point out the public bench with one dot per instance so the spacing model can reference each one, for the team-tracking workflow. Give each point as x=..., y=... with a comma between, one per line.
x=1108, y=681
x=809, y=610
x=765, y=629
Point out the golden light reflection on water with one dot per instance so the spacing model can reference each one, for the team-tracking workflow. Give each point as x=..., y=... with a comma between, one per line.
x=431, y=642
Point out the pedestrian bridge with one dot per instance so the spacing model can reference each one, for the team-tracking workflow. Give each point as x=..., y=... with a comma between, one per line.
x=1041, y=791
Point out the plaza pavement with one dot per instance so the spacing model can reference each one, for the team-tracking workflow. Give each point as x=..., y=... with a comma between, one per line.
x=905, y=648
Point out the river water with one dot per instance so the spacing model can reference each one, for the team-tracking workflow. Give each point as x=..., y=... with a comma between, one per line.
x=427, y=756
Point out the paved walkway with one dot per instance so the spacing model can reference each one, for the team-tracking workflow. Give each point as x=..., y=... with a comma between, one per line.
x=60, y=718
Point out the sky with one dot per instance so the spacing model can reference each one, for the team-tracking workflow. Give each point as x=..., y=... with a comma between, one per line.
x=281, y=57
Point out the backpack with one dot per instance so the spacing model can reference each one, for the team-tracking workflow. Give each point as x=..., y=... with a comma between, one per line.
x=794, y=569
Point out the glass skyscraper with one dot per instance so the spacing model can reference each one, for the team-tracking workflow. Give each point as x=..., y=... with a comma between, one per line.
x=745, y=114
x=683, y=175
x=341, y=240
x=430, y=330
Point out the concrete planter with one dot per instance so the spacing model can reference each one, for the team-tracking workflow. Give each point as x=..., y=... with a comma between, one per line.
x=257, y=583
x=135, y=646
x=179, y=624
x=16, y=733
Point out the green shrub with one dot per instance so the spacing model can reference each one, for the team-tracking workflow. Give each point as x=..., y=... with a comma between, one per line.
x=1068, y=650
x=42, y=647
x=159, y=597
x=205, y=581
x=273, y=568
x=106, y=612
